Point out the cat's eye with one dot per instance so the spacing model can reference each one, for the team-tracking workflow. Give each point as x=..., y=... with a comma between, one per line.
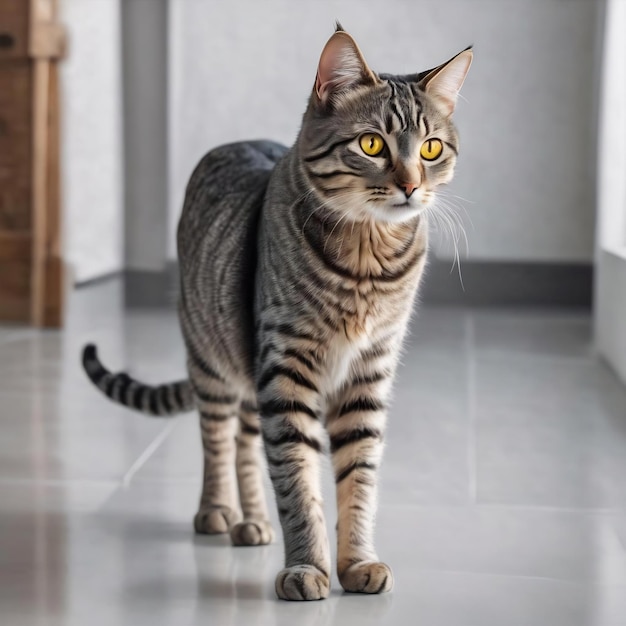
x=431, y=149
x=372, y=144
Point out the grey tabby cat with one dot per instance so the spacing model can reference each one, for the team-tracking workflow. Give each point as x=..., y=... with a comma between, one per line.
x=298, y=272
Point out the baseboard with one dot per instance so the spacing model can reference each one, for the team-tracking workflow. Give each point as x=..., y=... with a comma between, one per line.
x=485, y=283
x=151, y=289
x=498, y=283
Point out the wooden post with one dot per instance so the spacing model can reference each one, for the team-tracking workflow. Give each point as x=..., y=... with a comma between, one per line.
x=31, y=266
x=47, y=43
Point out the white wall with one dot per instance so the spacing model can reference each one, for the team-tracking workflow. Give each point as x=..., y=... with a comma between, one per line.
x=610, y=284
x=92, y=138
x=244, y=69
x=612, y=153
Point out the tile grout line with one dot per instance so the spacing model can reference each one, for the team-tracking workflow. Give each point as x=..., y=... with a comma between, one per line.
x=147, y=453
x=471, y=403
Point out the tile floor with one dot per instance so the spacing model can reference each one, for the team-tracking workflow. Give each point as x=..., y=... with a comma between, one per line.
x=503, y=497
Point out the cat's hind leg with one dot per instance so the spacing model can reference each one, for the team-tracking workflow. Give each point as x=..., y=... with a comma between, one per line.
x=255, y=528
x=218, y=404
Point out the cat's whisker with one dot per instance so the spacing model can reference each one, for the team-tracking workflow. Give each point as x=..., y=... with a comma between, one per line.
x=444, y=195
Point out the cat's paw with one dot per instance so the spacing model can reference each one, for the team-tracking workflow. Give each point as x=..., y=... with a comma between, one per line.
x=302, y=582
x=252, y=532
x=214, y=520
x=367, y=577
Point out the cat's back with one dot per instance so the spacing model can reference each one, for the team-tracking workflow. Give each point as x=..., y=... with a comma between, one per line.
x=217, y=243
x=229, y=181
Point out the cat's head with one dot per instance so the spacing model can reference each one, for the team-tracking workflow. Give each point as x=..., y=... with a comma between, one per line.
x=378, y=145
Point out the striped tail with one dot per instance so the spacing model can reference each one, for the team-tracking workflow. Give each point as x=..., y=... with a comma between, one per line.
x=168, y=399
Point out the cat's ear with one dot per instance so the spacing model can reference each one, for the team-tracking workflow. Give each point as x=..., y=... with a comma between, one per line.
x=444, y=82
x=341, y=67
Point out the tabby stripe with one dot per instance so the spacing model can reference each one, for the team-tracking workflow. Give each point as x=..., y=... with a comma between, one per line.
x=389, y=277
x=177, y=395
x=329, y=150
x=124, y=383
x=202, y=365
x=361, y=404
x=249, y=407
x=382, y=585
x=330, y=265
x=452, y=147
x=331, y=174
x=137, y=397
x=280, y=370
x=323, y=284
x=152, y=401
x=165, y=400
x=276, y=462
x=267, y=348
x=298, y=581
x=312, y=352
x=384, y=277
x=418, y=116
x=320, y=306
x=249, y=429
x=394, y=109
x=339, y=441
x=294, y=437
x=426, y=126
x=302, y=526
x=215, y=417
x=290, y=352
x=278, y=407
x=357, y=507
x=389, y=124
x=351, y=468
x=368, y=380
x=398, y=254
x=109, y=385
x=98, y=375
x=213, y=398
x=288, y=329
x=375, y=352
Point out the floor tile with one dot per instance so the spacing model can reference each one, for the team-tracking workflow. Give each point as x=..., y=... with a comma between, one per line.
x=502, y=496
x=536, y=333
x=549, y=434
x=70, y=438
x=546, y=544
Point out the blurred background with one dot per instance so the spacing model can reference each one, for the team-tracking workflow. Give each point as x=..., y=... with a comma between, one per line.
x=509, y=483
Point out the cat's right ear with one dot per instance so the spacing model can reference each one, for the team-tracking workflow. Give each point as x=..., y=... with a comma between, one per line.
x=341, y=68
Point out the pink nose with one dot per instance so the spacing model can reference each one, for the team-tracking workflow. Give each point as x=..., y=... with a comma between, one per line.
x=408, y=188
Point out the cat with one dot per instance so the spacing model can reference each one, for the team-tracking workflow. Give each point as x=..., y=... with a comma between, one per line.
x=298, y=271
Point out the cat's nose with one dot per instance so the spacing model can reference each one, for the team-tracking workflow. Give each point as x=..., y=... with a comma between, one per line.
x=408, y=188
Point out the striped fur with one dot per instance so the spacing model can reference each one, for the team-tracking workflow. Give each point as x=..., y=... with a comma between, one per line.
x=299, y=269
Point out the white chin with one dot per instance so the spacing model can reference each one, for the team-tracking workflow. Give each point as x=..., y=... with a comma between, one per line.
x=395, y=214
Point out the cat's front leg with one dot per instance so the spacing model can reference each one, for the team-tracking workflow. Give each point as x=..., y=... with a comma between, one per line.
x=293, y=434
x=356, y=430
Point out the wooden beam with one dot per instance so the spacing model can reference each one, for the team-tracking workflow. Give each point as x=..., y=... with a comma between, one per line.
x=46, y=43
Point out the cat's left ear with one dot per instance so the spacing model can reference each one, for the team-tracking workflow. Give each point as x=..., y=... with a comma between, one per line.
x=444, y=82
x=341, y=67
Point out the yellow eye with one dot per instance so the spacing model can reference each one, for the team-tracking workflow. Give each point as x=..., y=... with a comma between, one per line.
x=431, y=149
x=372, y=144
